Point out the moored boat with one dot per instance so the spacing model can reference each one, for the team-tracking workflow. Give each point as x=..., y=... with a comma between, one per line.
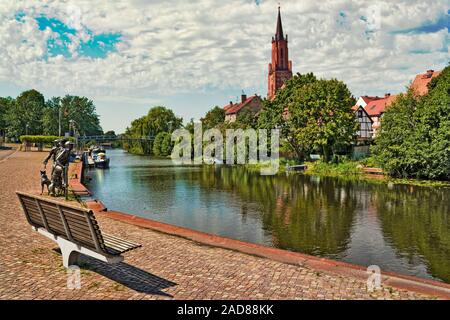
x=101, y=160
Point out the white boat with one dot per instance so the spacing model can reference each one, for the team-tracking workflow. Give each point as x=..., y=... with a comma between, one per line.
x=101, y=161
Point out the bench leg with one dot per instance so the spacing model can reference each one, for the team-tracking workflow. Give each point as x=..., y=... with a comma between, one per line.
x=69, y=252
x=70, y=257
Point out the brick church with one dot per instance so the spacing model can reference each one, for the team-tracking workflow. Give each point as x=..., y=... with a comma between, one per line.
x=280, y=70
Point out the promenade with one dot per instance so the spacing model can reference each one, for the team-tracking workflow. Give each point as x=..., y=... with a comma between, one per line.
x=166, y=267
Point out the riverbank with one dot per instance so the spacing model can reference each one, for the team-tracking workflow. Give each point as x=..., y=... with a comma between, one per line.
x=166, y=267
x=354, y=170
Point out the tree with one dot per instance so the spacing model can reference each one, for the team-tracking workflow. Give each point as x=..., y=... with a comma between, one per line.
x=414, y=140
x=246, y=119
x=314, y=115
x=25, y=115
x=51, y=117
x=75, y=108
x=158, y=119
x=5, y=104
x=162, y=146
x=110, y=133
x=82, y=111
x=213, y=118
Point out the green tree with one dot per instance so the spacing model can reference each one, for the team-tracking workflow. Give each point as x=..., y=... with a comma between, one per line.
x=158, y=119
x=414, y=141
x=246, y=119
x=314, y=115
x=82, y=111
x=79, y=109
x=162, y=146
x=25, y=115
x=5, y=104
x=213, y=118
x=110, y=133
x=51, y=117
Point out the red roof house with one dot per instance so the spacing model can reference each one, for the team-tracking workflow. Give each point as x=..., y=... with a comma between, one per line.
x=420, y=83
x=253, y=103
x=376, y=108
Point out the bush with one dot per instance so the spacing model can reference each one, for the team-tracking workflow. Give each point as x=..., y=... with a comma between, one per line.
x=41, y=140
x=344, y=168
x=38, y=139
x=370, y=162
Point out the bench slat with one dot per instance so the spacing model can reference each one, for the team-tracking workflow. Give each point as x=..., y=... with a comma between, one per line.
x=121, y=240
x=91, y=227
x=65, y=224
x=114, y=243
x=44, y=220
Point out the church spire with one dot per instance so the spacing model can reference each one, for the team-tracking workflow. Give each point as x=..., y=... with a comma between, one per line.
x=279, y=33
x=280, y=69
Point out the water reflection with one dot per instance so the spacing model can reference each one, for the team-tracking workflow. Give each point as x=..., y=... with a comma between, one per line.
x=404, y=229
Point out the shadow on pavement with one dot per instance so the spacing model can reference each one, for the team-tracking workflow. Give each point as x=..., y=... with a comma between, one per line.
x=127, y=275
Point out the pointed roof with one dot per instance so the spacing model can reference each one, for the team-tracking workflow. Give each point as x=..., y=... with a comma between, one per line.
x=235, y=108
x=377, y=107
x=279, y=33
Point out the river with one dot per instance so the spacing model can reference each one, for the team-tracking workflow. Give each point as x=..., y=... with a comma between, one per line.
x=400, y=228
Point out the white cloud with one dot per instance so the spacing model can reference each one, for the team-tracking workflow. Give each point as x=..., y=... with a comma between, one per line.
x=176, y=46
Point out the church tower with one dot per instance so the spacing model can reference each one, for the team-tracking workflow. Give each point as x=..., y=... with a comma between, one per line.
x=280, y=69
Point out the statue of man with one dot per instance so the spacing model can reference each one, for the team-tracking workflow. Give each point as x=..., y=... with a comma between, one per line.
x=53, y=151
x=60, y=163
x=63, y=156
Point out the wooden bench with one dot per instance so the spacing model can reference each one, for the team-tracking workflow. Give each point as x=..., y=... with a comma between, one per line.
x=74, y=229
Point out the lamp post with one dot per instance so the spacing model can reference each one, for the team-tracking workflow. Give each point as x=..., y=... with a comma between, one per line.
x=59, y=118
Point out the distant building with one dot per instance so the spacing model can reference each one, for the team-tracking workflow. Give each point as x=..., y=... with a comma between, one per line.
x=421, y=81
x=365, y=122
x=364, y=100
x=376, y=108
x=232, y=110
x=280, y=69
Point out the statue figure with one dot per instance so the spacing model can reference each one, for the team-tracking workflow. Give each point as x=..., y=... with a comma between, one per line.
x=57, y=144
x=61, y=157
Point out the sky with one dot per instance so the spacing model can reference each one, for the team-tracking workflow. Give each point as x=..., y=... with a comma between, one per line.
x=190, y=56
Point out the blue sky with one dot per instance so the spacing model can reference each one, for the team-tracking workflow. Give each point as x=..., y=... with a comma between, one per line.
x=98, y=46
x=130, y=55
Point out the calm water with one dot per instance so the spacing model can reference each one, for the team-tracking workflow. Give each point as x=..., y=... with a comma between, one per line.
x=402, y=228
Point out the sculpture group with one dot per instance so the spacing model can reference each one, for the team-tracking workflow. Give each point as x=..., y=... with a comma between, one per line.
x=60, y=155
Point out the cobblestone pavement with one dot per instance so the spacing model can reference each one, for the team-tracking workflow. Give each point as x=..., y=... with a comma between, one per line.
x=4, y=153
x=167, y=267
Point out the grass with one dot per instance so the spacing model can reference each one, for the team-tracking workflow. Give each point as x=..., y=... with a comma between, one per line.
x=350, y=169
x=344, y=168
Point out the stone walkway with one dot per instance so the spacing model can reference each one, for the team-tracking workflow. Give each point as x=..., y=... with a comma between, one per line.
x=5, y=153
x=167, y=267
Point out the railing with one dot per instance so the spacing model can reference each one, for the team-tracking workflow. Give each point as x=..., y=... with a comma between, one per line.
x=113, y=138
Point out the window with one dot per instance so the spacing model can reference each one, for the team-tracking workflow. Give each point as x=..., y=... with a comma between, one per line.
x=360, y=113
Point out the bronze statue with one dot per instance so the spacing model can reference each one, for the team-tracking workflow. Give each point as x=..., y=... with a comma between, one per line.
x=53, y=151
x=60, y=154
